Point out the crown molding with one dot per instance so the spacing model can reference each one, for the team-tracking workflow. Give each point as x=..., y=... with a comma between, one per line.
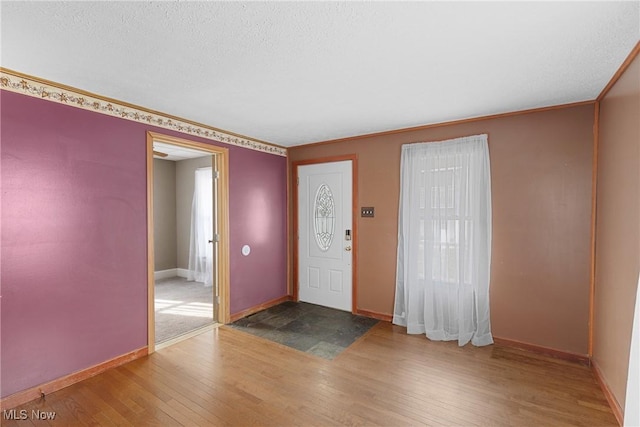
x=14, y=81
x=623, y=67
x=442, y=124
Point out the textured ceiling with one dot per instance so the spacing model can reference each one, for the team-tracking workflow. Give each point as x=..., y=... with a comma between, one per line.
x=294, y=73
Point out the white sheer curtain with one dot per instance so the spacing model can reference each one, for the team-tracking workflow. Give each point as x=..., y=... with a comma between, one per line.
x=444, y=241
x=200, y=250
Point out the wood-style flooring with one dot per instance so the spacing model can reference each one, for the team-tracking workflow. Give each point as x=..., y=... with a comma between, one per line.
x=386, y=378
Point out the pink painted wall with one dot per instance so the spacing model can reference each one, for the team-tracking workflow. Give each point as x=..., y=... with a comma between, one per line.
x=73, y=269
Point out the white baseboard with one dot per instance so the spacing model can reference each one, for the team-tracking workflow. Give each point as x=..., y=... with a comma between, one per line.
x=165, y=274
x=172, y=272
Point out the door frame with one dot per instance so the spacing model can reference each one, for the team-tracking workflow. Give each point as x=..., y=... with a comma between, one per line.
x=221, y=164
x=354, y=222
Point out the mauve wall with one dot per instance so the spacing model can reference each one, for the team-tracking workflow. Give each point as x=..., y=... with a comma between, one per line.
x=74, y=257
x=617, y=229
x=541, y=171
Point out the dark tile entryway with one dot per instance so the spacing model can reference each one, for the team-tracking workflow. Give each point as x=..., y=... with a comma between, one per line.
x=321, y=331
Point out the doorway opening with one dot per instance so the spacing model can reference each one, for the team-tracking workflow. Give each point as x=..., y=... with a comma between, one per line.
x=187, y=205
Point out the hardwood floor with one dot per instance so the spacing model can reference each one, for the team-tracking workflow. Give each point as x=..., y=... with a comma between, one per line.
x=228, y=377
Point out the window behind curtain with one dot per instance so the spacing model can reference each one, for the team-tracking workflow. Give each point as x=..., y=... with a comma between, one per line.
x=448, y=232
x=444, y=240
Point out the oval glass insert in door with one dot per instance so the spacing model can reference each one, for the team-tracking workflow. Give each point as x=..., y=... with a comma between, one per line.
x=324, y=217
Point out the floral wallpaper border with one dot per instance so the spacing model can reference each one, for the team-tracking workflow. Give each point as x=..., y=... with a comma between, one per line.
x=66, y=96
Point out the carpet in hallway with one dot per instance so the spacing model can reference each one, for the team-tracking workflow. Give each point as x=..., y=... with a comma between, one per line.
x=181, y=307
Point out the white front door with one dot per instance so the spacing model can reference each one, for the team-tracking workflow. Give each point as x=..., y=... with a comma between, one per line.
x=325, y=245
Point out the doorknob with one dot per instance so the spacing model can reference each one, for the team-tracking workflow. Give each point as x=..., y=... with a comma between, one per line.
x=210, y=241
x=348, y=248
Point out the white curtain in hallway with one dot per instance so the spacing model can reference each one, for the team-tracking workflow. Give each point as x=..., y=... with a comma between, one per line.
x=200, y=250
x=444, y=241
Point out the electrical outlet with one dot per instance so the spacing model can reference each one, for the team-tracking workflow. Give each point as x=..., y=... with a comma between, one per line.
x=367, y=212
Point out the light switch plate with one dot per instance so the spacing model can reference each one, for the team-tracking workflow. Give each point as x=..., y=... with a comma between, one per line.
x=367, y=212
